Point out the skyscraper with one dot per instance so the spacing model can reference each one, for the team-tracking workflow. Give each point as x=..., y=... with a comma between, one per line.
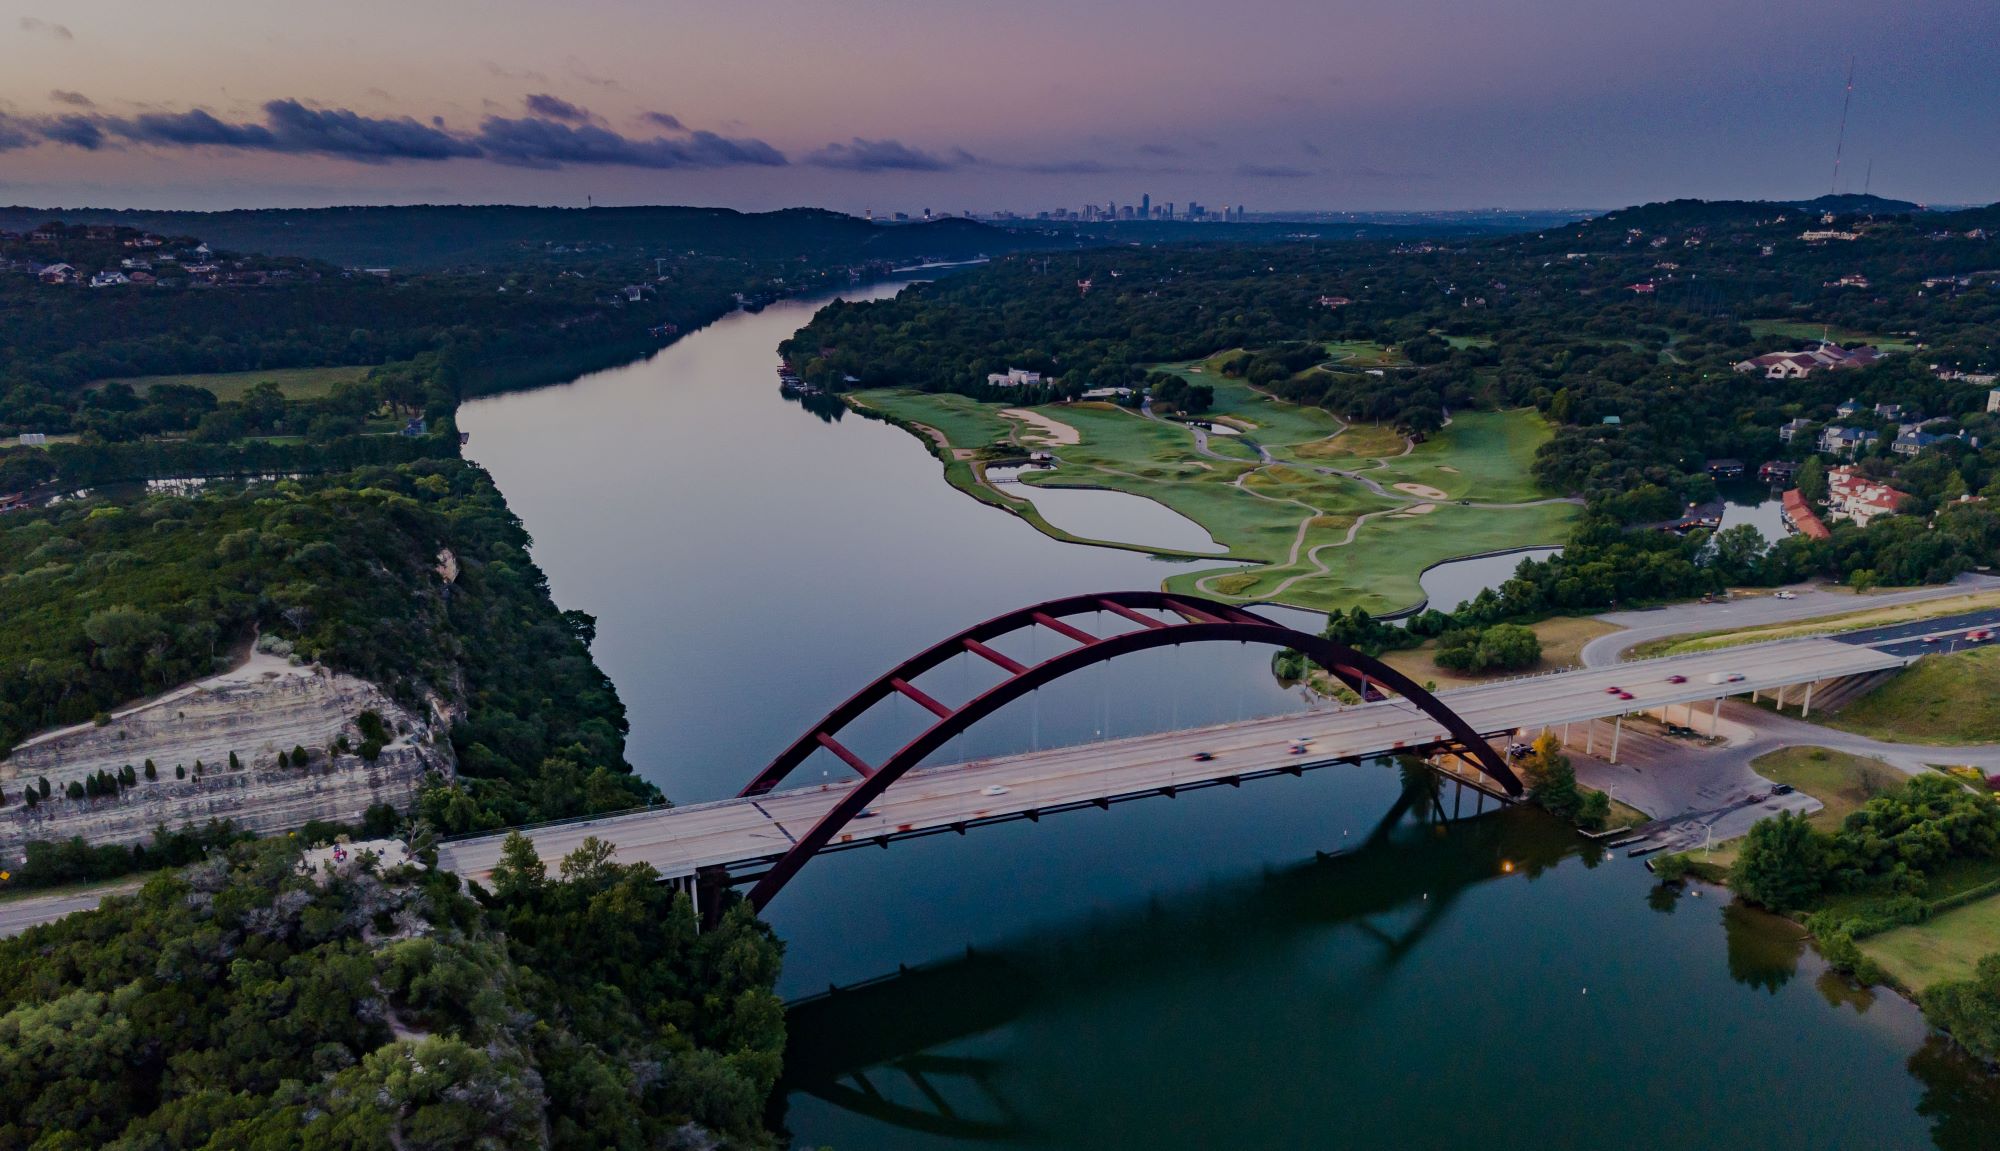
x=1146, y=206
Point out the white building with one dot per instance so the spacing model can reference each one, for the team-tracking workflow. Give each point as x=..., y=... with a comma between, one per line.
x=1013, y=378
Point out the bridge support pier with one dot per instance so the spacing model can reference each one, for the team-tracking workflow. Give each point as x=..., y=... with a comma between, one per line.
x=710, y=891
x=1617, y=729
x=1806, y=709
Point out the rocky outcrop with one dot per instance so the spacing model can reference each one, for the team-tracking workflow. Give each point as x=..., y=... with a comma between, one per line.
x=260, y=709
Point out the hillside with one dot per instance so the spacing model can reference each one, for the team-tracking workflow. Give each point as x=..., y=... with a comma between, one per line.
x=434, y=236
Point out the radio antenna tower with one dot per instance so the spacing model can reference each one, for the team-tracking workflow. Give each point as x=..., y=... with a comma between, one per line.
x=1840, y=141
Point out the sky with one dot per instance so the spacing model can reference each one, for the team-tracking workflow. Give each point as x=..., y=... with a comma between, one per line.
x=1026, y=105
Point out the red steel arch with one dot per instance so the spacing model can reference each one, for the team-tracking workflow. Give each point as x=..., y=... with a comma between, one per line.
x=1201, y=620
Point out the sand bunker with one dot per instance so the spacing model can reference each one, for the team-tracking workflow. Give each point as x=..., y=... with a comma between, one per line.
x=1423, y=491
x=1048, y=432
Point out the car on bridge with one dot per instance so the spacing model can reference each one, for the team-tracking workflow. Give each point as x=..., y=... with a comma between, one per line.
x=1677, y=679
x=1203, y=756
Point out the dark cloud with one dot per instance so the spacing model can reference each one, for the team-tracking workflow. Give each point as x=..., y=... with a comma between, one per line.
x=537, y=143
x=43, y=27
x=555, y=108
x=1158, y=150
x=76, y=131
x=877, y=156
x=667, y=120
x=1272, y=172
x=73, y=99
x=290, y=126
x=1309, y=148
x=17, y=133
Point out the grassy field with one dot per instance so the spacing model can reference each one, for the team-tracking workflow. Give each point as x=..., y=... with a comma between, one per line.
x=1943, y=699
x=296, y=383
x=1363, y=354
x=1945, y=947
x=1315, y=539
x=1805, y=331
x=1841, y=781
x=1823, y=625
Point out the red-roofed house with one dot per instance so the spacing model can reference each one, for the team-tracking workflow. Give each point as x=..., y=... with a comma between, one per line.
x=1855, y=497
x=1803, y=519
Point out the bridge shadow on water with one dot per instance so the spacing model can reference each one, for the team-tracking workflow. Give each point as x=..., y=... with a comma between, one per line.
x=878, y=1049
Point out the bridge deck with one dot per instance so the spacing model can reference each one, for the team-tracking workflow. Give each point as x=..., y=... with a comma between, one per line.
x=739, y=833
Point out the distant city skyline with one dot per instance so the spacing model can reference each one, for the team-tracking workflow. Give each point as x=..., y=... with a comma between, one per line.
x=1284, y=105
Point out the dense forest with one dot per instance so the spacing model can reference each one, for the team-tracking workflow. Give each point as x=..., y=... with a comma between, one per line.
x=102, y=602
x=241, y=1004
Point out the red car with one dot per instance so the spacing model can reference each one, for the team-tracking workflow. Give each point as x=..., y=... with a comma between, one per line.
x=1624, y=695
x=1613, y=690
x=1677, y=679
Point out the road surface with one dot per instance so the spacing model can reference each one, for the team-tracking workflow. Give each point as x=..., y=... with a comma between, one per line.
x=737, y=833
x=1812, y=603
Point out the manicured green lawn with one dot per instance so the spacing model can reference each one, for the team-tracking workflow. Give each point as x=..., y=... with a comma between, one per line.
x=1946, y=946
x=966, y=423
x=296, y=383
x=1483, y=454
x=1289, y=519
x=1841, y=781
x=1945, y=699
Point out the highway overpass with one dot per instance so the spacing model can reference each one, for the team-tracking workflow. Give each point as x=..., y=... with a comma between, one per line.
x=747, y=834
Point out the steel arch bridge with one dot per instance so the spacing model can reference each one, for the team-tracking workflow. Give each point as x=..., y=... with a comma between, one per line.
x=1196, y=620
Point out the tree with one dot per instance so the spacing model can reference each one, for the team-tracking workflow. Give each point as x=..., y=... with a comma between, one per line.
x=284, y=758
x=1969, y=1008
x=299, y=756
x=44, y=786
x=1783, y=862
x=1552, y=779
x=1811, y=480
x=152, y=773
x=180, y=771
x=235, y=764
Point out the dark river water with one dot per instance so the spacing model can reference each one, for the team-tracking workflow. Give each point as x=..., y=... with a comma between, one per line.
x=1299, y=963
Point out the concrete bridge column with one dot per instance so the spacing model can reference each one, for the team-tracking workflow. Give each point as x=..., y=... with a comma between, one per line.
x=1714, y=718
x=1617, y=729
x=1806, y=709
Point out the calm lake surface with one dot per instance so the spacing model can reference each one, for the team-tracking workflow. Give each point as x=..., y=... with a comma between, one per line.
x=1169, y=974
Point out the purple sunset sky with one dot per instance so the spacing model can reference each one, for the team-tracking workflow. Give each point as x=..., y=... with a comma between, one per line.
x=952, y=105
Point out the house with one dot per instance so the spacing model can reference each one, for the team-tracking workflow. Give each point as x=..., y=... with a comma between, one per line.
x=416, y=427
x=1993, y=400
x=1013, y=378
x=1725, y=469
x=1800, y=517
x=1798, y=365
x=1643, y=288
x=1334, y=301
x=57, y=274
x=109, y=279
x=1897, y=413
x=1790, y=431
x=34, y=439
x=1851, y=280
x=1847, y=441
x=1855, y=497
x=1778, y=471
x=1912, y=440
x=1848, y=410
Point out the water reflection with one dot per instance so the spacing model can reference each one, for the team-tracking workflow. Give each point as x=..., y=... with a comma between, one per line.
x=1961, y=1097
x=1764, y=949
x=895, y=1050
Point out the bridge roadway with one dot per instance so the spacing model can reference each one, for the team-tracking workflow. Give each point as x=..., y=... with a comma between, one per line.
x=742, y=834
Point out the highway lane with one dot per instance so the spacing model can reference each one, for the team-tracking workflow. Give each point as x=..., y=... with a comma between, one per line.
x=1927, y=636
x=737, y=833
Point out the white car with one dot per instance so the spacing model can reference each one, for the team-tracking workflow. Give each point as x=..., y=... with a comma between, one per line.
x=1788, y=595
x=993, y=789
